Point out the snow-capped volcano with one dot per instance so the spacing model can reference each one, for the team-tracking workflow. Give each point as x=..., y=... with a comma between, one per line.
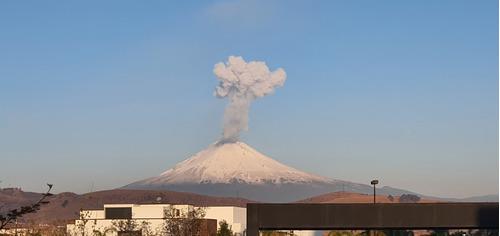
x=229, y=163
x=236, y=169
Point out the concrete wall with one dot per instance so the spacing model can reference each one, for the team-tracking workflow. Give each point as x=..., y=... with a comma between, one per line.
x=149, y=211
x=236, y=217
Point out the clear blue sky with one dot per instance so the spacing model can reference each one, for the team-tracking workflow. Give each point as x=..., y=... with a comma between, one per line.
x=99, y=94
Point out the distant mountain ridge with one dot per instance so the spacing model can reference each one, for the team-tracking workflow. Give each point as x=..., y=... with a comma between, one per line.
x=237, y=170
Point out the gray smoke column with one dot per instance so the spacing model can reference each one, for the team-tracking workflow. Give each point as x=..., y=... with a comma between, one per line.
x=242, y=82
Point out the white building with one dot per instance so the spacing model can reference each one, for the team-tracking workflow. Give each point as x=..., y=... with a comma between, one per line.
x=236, y=217
x=150, y=219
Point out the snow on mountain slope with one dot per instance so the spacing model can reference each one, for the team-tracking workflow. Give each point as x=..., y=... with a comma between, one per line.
x=237, y=170
x=229, y=163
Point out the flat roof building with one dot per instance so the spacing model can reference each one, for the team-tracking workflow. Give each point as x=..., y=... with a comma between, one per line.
x=157, y=219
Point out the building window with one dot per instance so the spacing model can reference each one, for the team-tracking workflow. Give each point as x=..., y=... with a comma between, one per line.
x=118, y=213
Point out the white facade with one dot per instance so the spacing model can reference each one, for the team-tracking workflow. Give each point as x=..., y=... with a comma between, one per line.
x=236, y=217
x=149, y=219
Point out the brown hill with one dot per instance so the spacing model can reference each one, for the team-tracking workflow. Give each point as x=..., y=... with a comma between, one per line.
x=65, y=206
x=10, y=198
x=347, y=197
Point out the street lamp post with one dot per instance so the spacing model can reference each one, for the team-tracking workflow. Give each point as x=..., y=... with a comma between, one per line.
x=374, y=182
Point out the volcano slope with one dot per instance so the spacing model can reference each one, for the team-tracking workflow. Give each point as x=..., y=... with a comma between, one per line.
x=237, y=170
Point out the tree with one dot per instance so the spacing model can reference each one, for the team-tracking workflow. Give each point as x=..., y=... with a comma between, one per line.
x=458, y=233
x=105, y=232
x=84, y=219
x=185, y=225
x=483, y=232
x=146, y=229
x=371, y=233
x=406, y=198
x=340, y=233
x=125, y=225
x=18, y=213
x=398, y=232
x=224, y=229
x=440, y=232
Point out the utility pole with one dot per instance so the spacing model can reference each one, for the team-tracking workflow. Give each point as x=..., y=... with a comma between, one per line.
x=374, y=182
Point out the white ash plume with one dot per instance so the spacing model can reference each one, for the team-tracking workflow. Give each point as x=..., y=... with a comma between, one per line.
x=242, y=82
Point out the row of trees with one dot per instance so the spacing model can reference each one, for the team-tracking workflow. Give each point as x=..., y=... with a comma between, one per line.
x=406, y=198
x=177, y=227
